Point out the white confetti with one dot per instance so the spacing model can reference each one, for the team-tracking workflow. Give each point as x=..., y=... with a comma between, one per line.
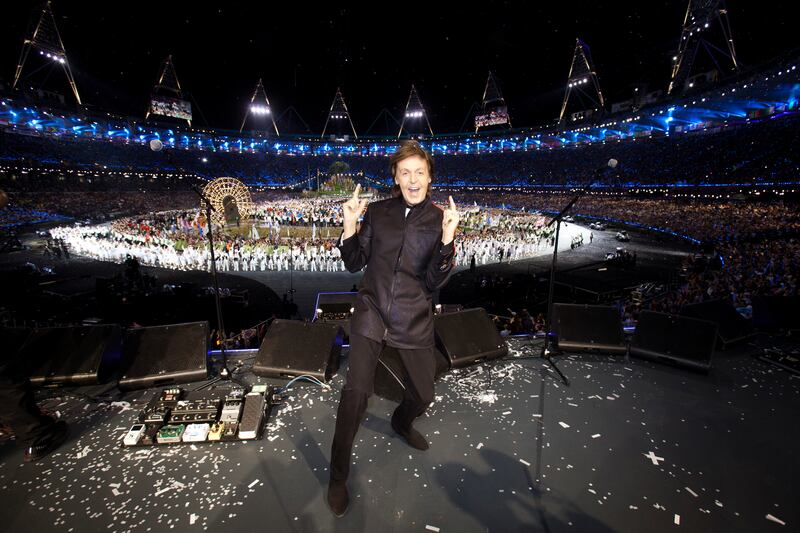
x=653, y=457
x=431, y=528
x=83, y=453
x=677, y=519
x=563, y=425
x=690, y=491
x=776, y=520
x=253, y=484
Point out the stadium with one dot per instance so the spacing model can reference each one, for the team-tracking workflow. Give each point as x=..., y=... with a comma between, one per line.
x=605, y=293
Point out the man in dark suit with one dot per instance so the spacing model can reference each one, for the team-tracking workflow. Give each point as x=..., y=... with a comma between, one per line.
x=406, y=244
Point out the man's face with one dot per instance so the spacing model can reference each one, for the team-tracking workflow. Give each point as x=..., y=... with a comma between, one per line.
x=412, y=175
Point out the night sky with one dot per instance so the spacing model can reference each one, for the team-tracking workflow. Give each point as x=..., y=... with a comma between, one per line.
x=374, y=51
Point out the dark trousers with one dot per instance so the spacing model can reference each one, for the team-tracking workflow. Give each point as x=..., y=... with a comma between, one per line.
x=18, y=408
x=420, y=366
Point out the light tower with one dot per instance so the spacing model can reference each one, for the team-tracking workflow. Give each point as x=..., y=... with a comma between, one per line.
x=259, y=107
x=167, y=96
x=702, y=16
x=47, y=41
x=582, y=80
x=338, y=115
x=415, y=112
x=493, y=109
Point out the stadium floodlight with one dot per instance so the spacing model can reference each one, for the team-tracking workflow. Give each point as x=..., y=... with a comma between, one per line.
x=259, y=105
x=260, y=110
x=339, y=113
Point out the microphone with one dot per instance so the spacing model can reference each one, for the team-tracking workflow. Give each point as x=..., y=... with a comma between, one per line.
x=611, y=163
x=202, y=196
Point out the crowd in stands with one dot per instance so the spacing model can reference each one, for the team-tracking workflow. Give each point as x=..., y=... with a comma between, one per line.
x=703, y=219
x=761, y=151
x=745, y=267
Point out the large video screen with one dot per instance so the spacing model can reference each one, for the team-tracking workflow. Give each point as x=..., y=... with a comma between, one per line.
x=495, y=117
x=171, y=107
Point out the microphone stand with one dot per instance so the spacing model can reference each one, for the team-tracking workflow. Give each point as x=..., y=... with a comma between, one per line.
x=224, y=373
x=546, y=352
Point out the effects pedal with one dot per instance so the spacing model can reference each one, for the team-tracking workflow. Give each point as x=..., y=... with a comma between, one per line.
x=229, y=431
x=215, y=433
x=195, y=433
x=134, y=435
x=231, y=410
x=170, y=434
x=171, y=395
x=252, y=415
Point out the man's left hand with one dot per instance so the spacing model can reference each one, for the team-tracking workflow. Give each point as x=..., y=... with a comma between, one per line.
x=449, y=223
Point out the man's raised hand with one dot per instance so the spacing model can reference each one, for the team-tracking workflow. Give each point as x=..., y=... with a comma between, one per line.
x=353, y=208
x=449, y=222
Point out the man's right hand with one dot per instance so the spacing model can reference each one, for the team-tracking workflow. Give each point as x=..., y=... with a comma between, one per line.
x=351, y=210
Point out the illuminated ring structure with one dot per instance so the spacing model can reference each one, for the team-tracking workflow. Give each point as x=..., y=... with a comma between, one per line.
x=220, y=189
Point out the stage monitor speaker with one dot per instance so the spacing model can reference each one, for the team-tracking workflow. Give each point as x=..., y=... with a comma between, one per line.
x=468, y=337
x=82, y=355
x=776, y=312
x=336, y=305
x=336, y=309
x=450, y=308
x=160, y=356
x=12, y=340
x=293, y=348
x=391, y=376
x=595, y=328
x=731, y=326
x=683, y=340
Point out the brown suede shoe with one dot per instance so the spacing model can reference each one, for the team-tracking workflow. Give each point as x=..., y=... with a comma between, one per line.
x=338, y=497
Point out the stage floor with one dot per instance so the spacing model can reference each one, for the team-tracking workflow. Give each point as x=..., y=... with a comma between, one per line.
x=628, y=446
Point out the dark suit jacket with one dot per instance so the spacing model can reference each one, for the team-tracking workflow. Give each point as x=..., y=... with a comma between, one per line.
x=406, y=263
